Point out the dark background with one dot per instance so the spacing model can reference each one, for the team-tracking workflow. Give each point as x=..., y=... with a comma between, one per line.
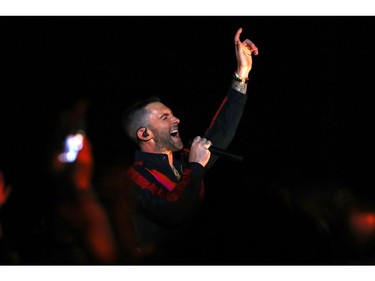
x=306, y=135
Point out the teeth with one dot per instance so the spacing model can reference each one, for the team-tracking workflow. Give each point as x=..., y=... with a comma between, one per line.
x=174, y=131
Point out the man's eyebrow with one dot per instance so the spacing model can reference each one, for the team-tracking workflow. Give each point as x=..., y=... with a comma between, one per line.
x=165, y=114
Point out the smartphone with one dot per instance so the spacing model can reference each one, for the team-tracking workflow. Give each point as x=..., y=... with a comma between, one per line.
x=73, y=143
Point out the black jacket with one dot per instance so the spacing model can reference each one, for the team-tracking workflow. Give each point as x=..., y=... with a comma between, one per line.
x=161, y=206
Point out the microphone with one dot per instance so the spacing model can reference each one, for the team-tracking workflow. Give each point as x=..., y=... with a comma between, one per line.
x=221, y=152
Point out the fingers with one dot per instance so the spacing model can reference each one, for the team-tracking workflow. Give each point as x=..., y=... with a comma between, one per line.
x=203, y=141
x=197, y=138
x=237, y=36
x=247, y=45
x=206, y=143
x=251, y=46
x=199, y=151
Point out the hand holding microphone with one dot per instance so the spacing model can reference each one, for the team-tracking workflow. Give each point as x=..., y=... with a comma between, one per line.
x=214, y=150
x=199, y=151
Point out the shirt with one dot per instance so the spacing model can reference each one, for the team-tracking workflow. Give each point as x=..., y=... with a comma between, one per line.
x=160, y=204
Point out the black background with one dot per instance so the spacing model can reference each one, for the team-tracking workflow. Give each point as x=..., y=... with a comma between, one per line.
x=307, y=128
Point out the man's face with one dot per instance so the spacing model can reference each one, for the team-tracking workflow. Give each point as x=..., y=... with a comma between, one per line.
x=164, y=126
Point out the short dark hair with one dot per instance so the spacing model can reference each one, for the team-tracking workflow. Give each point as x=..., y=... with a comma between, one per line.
x=134, y=116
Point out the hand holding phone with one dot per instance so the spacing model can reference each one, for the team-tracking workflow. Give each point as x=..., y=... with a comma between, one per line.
x=77, y=151
x=72, y=145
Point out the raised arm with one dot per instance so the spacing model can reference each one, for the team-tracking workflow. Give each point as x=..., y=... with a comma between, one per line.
x=244, y=50
x=226, y=120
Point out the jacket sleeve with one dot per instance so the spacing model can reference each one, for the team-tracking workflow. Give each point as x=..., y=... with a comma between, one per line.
x=165, y=207
x=225, y=122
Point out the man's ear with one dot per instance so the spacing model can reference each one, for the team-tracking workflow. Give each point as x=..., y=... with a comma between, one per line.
x=143, y=135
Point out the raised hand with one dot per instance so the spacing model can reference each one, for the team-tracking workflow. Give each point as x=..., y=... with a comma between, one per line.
x=244, y=51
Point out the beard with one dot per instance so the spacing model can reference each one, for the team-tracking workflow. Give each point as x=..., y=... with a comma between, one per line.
x=165, y=142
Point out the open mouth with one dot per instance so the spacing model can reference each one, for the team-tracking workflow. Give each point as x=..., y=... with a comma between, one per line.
x=174, y=133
